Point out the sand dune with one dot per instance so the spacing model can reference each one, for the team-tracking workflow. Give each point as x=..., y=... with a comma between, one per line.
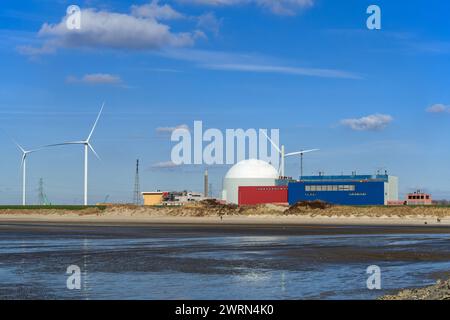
x=211, y=212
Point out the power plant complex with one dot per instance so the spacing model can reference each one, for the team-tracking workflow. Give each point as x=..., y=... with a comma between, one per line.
x=251, y=182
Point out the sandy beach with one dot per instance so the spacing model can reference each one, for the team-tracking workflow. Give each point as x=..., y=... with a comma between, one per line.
x=244, y=220
x=223, y=214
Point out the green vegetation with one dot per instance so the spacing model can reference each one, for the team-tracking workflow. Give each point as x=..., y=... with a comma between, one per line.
x=48, y=207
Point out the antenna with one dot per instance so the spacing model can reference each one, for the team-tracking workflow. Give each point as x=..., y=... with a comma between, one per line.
x=301, y=153
x=137, y=186
x=380, y=169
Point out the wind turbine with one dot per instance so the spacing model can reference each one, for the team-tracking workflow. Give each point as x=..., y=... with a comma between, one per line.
x=25, y=153
x=301, y=153
x=283, y=155
x=87, y=145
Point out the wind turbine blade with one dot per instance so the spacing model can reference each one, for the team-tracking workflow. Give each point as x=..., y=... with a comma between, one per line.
x=23, y=159
x=300, y=152
x=95, y=123
x=19, y=146
x=92, y=149
x=311, y=150
x=35, y=150
x=293, y=153
x=273, y=143
x=63, y=144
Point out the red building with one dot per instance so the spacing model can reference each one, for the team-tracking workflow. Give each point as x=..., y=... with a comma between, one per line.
x=262, y=194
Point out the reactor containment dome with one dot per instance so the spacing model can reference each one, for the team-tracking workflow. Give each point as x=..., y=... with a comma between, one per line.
x=251, y=172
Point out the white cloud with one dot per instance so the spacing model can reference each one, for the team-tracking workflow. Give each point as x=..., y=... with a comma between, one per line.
x=279, y=7
x=368, y=123
x=210, y=22
x=263, y=68
x=438, y=108
x=103, y=29
x=156, y=11
x=96, y=78
x=285, y=7
x=165, y=165
x=244, y=62
x=31, y=51
x=216, y=3
x=169, y=130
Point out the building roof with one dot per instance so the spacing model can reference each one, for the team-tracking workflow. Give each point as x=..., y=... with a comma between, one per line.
x=252, y=169
x=349, y=178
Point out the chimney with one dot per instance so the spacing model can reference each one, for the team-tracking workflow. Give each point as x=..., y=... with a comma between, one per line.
x=206, y=184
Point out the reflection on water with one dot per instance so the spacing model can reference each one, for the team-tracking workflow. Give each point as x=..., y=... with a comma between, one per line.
x=143, y=264
x=84, y=278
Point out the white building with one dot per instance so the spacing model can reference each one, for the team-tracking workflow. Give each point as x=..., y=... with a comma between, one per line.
x=190, y=197
x=250, y=172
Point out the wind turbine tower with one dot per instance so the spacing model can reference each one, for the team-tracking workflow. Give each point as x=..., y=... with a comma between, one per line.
x=87, y=145
x=25, y=153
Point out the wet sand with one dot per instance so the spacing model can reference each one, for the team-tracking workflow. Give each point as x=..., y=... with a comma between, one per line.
x=157, y=260
x=200, y=227
x=336, y=254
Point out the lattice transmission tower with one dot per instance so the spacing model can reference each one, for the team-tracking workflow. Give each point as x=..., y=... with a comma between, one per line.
x=137, y=187
x=42, y=198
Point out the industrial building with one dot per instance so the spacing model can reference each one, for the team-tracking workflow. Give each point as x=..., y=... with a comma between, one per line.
x=263, y=194
x=251, y=182
x=158, y=198
x=252, y=173
x=345, y=190
x=419, y=198
x=153, y=198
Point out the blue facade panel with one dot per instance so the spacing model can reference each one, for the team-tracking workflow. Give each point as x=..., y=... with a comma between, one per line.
x=362, y=193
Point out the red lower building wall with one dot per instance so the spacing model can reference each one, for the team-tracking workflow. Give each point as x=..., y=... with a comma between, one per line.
x=262, y=194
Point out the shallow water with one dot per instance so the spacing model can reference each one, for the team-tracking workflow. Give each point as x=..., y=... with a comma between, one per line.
x=195, y=262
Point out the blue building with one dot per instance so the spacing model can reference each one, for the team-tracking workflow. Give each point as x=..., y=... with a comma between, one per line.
x=345, y=190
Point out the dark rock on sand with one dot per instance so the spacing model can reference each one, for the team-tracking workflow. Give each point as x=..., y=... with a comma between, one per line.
x=439, y=291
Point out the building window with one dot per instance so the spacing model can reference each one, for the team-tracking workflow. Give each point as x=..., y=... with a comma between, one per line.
x=329, y=188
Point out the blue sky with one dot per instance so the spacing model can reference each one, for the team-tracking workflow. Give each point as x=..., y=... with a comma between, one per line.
x=368, y=99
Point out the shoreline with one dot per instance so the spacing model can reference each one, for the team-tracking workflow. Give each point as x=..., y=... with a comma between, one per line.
x=438, y=291
x=265, y=220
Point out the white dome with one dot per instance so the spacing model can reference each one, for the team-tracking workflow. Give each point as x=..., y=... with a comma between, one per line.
x=252, y=169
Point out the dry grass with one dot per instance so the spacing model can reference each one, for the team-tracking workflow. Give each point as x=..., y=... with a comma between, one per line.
x=214, y=208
